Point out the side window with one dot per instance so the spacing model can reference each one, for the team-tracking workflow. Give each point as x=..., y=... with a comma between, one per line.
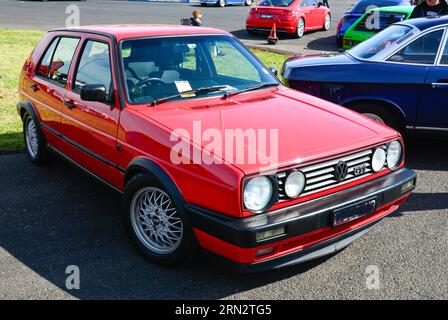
x=224, y=57
x=44, y=66
x=444, y=59
x=94, y=66
x=308, y=3
x=420, y=51
x=62, y=58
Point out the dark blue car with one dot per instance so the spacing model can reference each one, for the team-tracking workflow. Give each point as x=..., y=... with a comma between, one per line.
x=398, y=77
x=359, y=9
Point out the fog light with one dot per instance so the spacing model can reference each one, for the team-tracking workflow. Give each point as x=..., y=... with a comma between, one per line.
x=265, y=251
x=263, y=235
x=408, y=185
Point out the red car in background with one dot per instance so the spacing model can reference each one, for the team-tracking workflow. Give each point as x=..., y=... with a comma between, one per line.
x=291, y=16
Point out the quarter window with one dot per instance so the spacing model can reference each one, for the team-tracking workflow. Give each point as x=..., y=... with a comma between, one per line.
x=420, y=51
x=94, y=66
x=44, y=67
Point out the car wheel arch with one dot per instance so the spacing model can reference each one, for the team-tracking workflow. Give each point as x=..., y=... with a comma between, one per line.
x=393, y=108
x=27, y=107
x=148, y=166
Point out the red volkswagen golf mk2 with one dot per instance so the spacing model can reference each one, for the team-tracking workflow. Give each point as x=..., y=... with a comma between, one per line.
x=143, y=108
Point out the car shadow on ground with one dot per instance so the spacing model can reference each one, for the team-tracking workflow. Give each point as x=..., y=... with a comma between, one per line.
x=53, y=216
x=324, y=44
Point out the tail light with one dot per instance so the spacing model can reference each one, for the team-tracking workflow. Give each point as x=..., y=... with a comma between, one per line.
x=339, y=25
x=253, y=11
x=287, y=12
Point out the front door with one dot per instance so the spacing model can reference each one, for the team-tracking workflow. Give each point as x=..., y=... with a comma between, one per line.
x=91, y=127
x=433, y=111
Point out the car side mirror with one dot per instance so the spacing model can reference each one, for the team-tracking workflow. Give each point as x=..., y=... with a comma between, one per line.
x=93, y=92
x=274, y=71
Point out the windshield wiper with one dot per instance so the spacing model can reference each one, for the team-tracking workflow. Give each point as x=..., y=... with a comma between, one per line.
x=251, y=88
x=195, y=92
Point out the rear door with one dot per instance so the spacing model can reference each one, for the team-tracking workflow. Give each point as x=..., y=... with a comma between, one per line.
x=433, y=111
x=91, y=127
x=49, y=82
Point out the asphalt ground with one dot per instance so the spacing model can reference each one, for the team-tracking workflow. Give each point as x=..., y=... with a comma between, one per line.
x=54, y=216
x=52, y=14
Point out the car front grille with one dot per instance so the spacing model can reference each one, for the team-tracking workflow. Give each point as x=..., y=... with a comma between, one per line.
x=386, y=19
x=322, y=176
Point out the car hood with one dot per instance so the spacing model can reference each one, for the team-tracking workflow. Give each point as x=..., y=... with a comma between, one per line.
x=294, y=68
x=307, y=128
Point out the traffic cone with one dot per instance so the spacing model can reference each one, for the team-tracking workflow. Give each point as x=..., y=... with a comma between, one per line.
x=272, y=39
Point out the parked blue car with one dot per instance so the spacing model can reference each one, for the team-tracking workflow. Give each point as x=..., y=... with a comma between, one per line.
x=359, y=9
x=398, y=77
x=223, y=3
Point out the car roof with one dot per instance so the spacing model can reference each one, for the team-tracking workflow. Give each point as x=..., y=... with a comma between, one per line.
x=427, y=22
x=125, y=31
x=393, y=9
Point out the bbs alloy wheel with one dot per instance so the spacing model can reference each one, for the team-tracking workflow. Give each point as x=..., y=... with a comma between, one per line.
x=156, y=223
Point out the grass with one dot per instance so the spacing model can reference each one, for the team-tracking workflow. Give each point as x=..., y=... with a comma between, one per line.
x=15, y=46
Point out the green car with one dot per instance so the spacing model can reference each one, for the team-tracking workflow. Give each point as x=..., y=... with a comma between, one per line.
x=374, y=21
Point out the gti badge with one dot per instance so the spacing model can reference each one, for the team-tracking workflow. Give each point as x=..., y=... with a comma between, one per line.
x=359, y=170
x=340, y=170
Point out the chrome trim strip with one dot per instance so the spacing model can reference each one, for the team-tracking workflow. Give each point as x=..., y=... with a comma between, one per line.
x=431, y=128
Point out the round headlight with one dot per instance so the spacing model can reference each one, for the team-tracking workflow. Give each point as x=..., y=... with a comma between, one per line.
x=393, y=154
x=257, y=193
x=378, y=159
x=294, y=184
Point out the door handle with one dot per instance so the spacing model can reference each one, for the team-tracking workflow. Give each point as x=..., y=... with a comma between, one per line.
x=439, y=85
x=34, y=87
x=70, y=104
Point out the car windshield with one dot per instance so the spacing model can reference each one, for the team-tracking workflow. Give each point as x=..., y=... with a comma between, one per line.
x=276, y=3
x=363, y=6
x=157, y=68
x=376, y=45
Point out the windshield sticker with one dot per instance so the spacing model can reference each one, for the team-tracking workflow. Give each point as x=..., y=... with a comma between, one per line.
x=184, y=86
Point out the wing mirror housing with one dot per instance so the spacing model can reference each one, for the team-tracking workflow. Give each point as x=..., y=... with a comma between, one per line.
x=94, y=92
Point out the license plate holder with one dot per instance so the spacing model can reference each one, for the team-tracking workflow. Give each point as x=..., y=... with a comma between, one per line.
x=266, y=16
x=353, y=211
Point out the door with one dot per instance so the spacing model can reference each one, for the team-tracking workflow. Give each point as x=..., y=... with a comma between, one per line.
x=308, y=7
x=433, y=111
x=91, y=127
x=49, y=81
x=419, y=57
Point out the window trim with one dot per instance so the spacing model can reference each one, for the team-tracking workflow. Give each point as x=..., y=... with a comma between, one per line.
x=441, y=50
x=438, y=28
x=58, y=37
x=78, y=61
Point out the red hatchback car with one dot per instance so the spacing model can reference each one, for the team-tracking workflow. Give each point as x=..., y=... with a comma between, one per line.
x=145, y=108
x=290, y=16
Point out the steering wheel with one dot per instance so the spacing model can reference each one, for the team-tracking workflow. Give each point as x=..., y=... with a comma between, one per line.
x=157, y=81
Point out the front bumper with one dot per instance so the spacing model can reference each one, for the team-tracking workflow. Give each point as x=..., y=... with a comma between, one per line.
x=309, y=232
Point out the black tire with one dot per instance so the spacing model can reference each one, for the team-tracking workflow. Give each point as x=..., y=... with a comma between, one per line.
x=339, y=41
x=187, y=247
x=203, y=4
x=40, y=153
x=380, y=111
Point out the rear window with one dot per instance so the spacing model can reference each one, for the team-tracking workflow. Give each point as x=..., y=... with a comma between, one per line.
x=362, y=6
x=276, y=3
